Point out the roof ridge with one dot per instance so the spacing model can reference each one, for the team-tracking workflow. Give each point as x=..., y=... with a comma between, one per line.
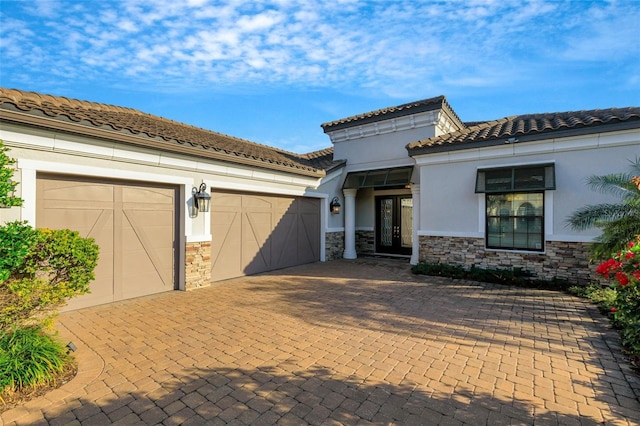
x=39, y=98
x=136, y=122
x=386, y=110
x=526, y=125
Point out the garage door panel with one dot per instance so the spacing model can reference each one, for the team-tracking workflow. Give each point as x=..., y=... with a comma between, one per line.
x=136, y=239
x=70, y=192
x=225, y=245
x=251, y=202
x=150, y=196
x=145, y=238
x=256, y=250
x=266, y=234
x=285, y=248
x=155, y=226
x=309, y=236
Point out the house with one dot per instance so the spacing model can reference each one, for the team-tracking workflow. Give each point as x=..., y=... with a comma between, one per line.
x=127, y=179
x=413, y=181
x=419, y=181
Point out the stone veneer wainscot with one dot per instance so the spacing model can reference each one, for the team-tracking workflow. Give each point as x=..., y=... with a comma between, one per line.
x=334, y=245
x=198, y=265
x=561, y=260
x=365, y=242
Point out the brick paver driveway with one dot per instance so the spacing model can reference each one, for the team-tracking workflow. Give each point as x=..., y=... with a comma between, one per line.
x=345, y=342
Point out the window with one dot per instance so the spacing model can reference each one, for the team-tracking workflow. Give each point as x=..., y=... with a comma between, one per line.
x=515, y=221
x=515, y=205
x=510, y=179
x=382, y=178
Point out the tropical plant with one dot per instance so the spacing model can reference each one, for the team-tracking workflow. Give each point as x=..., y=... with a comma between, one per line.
x=620, y=222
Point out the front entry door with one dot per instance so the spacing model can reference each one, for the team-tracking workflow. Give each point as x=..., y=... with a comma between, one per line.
x=394, y=219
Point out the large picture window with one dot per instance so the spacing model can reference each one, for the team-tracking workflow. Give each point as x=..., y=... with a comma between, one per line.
x=514, y=218
x=515, y=221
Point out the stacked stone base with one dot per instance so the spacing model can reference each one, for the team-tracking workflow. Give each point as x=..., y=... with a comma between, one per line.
x=561, y=260
x=365, y=242
x=333, y=245
x=198, y=265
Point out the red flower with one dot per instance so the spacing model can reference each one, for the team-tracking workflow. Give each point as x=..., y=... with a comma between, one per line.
x=614, y=310
x=629, y=255
x=607, y=267
x=636, y=274
x=632, y=244
x=622, y=278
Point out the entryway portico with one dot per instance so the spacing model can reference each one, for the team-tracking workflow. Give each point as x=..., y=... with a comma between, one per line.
x=379, y=212
x=380, y=184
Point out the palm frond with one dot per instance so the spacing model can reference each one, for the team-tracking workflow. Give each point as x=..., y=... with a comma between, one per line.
x=598, y=215
x=617, y=184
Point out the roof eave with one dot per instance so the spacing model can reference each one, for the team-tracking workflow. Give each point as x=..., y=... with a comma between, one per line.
x=553, y=134
x=329, y=127
x=23, y=118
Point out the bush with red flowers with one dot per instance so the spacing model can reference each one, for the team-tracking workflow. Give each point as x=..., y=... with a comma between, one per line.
x=623, y=269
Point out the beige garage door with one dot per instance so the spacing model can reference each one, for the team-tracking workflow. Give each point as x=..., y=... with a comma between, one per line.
x=254, y=233
x=133, y=223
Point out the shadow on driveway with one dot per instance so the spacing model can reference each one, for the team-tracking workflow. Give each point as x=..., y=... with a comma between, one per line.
x=347, y=342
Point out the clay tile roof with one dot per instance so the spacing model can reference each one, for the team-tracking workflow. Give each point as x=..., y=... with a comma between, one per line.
x=323, y=159
x=528, y=127
x=120, y=121
x=438, y=102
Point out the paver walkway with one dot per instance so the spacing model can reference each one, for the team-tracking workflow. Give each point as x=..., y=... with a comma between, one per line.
x=344, y=342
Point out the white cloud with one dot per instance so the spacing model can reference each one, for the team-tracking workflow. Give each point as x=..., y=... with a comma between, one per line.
x=398, y=48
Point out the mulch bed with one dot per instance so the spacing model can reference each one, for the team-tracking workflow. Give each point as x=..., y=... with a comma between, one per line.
x=9, y=399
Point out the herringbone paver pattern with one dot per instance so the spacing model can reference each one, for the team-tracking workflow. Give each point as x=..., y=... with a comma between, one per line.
x=344, y=342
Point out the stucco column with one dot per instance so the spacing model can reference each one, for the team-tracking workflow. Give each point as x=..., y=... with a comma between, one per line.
x=415, y=250
x=350, y=223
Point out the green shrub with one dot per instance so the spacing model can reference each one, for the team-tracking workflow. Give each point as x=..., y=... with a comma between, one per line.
x=7, y=186
x=50, y=268
x=17, y=240
x=509, y=276
x=30, y=357
x=438, y=270
x=603, y=297
x=623, y=268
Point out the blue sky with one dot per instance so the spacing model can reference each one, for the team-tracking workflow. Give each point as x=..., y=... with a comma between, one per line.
x=272, y=71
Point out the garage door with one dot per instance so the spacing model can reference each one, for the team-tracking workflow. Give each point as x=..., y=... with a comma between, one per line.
x=133, y=223
x=254, y=233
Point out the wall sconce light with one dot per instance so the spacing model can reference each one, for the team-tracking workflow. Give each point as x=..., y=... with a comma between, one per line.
x=201, y=199
x=334, y=206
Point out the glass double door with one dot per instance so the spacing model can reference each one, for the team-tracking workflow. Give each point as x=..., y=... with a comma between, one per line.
x=394, y=220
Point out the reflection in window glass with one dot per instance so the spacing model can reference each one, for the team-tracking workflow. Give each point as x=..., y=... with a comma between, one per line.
x=515, y=221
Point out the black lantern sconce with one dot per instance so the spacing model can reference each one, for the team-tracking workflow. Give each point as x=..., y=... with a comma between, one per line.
x=334, y=206
x=201, y=199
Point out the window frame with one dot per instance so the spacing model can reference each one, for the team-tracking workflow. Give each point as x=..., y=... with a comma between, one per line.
x=512, y=179
x=513, y=218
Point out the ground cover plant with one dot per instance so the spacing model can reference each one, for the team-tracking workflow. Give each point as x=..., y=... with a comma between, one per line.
x=40, y=269
x=508, y=276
